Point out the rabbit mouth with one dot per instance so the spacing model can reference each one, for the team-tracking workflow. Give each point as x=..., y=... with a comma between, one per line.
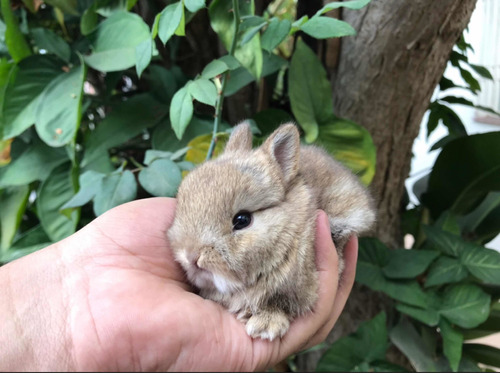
x=205, y=279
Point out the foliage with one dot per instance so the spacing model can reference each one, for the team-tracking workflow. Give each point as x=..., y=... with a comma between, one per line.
x=446, y=289
x=93, y=113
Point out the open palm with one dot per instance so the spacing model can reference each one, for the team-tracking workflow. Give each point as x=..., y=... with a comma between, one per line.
x=128, y=305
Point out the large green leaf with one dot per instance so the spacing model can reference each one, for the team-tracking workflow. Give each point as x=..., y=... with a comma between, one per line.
x=465, y=171
x=466, y=305
x=428, y=316
x=351, y=144
x=483, y=263
x=89, y=184
x=115, y=41
x=310, y=91
x=406, y=338
x=58, y=112
x=51, y=42
x=481, y=353
x=327, y=27
x=126, y=120
x=13, y=201
x=181, y=111
x=445, y=242
x=54, y=192
x=350, y=4
x=117, y=188
x=161, y=178
x=203, y=90
x=169, y=21
x=23, y=91
x=373, y=257
x=368, y=344
x=472, y=221
x=408, y=263
x=445, y=270
x=222, y=21
x=14, y=39
x=35, y=163
x=452, y=343
x=276, y=32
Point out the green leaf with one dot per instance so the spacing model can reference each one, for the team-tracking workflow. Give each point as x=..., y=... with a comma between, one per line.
x=250, y=33
x=90, y=183
x=482, y=262
x=194, y=5
x=310, y=91
x=427, y=316
x=126, y=120
x=222, y=22
x=161, y=178
x=474, y=85
x=472, y=221
x=14, y=39
x=58, y=112
x=23, y=91
x=203, y=90
x=214, y=68
x=115, y=41
x=54, y=192
x=452, y=343
x=445, y=242
x=51, y=42
x=143, y=54
x=152, y=155
x=490, y=326
x=32, y=236
x=198, y=147
x=67, y=6
x=327, y=27
x=373, y=256
x=13, y=201
x=275, y=33
x=445, y=270
x=181, y=111
x=368, y=344
x=406, y=338
x=351, y=144
x=35, y=163
x=466, y=305
x=481, y=70
x=170, y=19
x=408, y=263
x=88, y=21
x=352, y=4
x=241, y=77
x=484, y=354
x=116, y=189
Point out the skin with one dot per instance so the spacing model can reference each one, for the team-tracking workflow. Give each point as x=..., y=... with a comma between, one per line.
x=111, y=297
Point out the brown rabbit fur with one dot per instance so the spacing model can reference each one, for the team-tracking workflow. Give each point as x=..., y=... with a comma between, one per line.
x=265, y=272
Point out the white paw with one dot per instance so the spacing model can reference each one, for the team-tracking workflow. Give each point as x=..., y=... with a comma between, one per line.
x=267, y=325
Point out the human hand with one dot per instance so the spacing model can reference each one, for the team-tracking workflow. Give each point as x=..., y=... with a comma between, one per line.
x=119, y=301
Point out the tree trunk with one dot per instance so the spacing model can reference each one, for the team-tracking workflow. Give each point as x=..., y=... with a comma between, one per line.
x=384, y=80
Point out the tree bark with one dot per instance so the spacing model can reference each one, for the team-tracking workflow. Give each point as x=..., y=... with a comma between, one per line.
x=384, y=80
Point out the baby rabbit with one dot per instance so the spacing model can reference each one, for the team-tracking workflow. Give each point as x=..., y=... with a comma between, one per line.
x=244, y=229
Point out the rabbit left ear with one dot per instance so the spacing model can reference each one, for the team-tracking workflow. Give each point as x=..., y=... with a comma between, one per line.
x=283, y=145
x=240, y=139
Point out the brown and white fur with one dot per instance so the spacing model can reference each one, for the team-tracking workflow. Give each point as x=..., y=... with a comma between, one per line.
x=264, y=273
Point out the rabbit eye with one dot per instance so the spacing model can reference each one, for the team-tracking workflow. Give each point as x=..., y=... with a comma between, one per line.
x=242, y=220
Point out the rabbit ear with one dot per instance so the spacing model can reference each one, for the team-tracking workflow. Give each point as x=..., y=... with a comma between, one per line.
x=240, y=139
x=283, y=145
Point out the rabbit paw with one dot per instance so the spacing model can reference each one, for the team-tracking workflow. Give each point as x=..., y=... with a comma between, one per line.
x=267, y=325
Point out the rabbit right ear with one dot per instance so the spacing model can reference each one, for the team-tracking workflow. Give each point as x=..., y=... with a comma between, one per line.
x=240, y=139
x=283, y=145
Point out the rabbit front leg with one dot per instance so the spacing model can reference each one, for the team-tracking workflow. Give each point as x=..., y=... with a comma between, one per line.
x=268, y=324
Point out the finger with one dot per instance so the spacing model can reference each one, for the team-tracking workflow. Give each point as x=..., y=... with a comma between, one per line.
x=304, y=329
x=346, y=283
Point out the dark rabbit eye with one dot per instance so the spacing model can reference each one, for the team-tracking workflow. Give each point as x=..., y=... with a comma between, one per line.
x=242, y=220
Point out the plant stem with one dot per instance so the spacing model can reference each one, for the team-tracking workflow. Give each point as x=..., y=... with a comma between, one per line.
x=220, y=94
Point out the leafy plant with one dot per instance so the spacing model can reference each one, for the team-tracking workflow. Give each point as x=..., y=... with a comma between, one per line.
x=446, y=289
